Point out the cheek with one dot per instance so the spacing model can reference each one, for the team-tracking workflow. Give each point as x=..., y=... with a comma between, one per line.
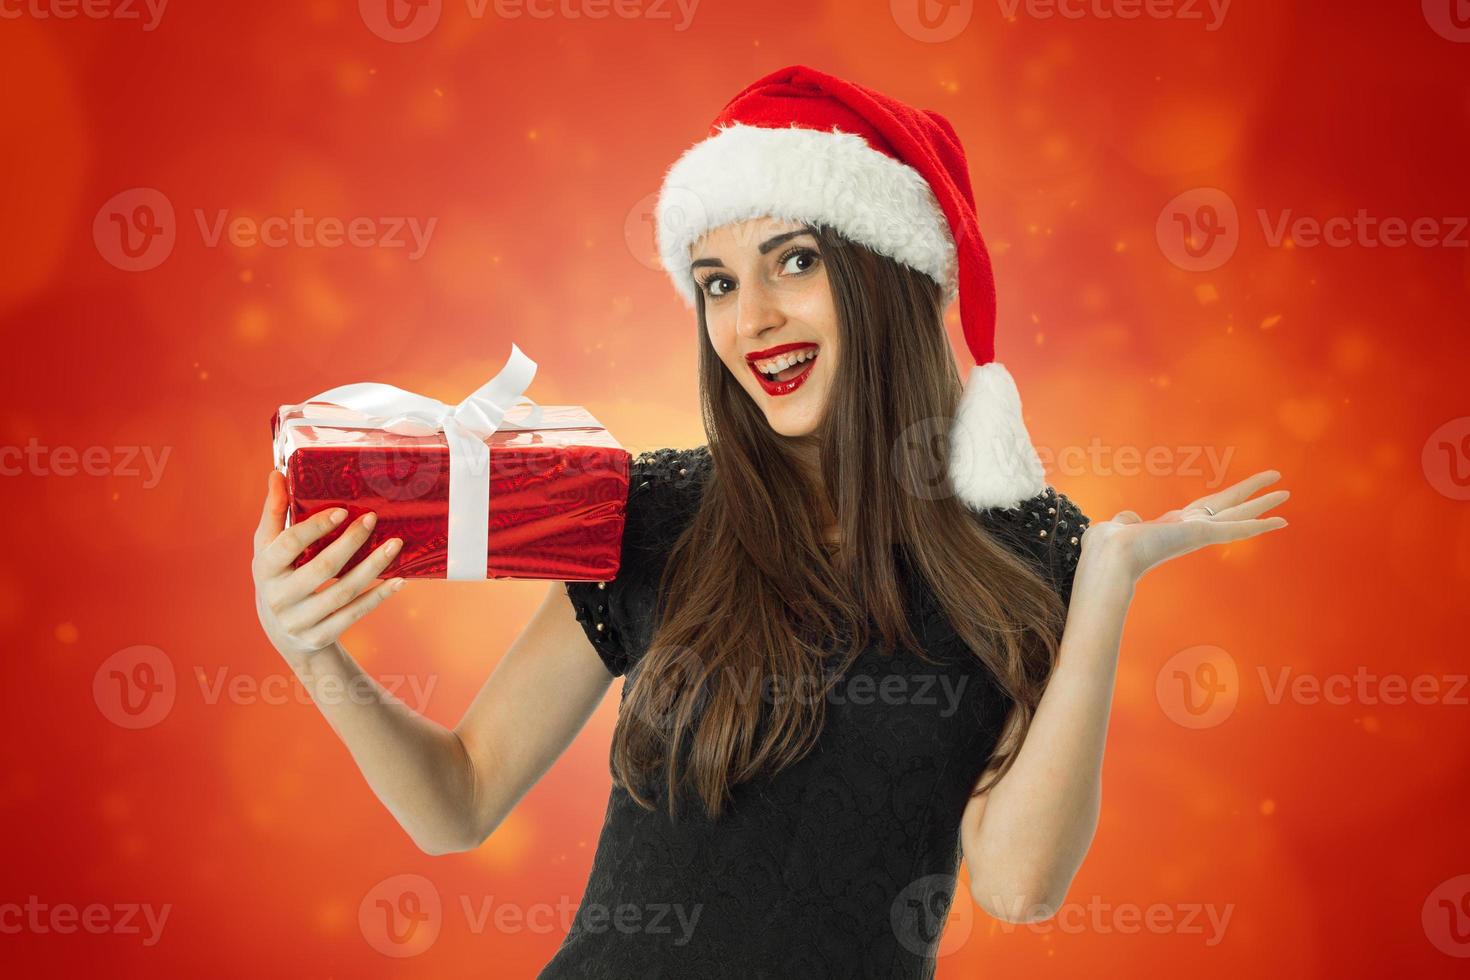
x=820, y=314
x=815, y=307
x=722, y=339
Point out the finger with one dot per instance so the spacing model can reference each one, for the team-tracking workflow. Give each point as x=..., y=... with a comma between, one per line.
x=1240, y=530
x=336, y=624
x=318, y=606
x=329, y=561
x=1127, y=517
x=1235, y=493
x=277, y=556
x=1254, y=507
x=272, y=512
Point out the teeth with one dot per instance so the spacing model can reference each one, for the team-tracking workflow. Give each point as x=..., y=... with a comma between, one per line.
x=783, y=361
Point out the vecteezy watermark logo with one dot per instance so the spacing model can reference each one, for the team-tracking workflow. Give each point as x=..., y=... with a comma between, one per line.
x=283, y=688
x=123, y=10
x=1198, y=687
x=932, y=21
x=403, y=21
x=1204, y=919
x=1362, y=229
x=138, y=687
x=1446, y=459
x=136, y=230
x=1211, y=12
x=1199, y=230
x=305, y=231
x=682, y=211
x=1446, y=917
x=34, y=459
x=1364, y=687
x=640, y=232
x=924, y=452
x=1097, y=459
x=65, y=918
x=135, y=687
x=590, y=10
x=1449, y=18
x=928, y=920
x=401, y=916
x=919, y=454
x=404, y=915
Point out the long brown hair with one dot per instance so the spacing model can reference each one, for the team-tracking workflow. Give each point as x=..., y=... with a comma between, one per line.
x=750, y=589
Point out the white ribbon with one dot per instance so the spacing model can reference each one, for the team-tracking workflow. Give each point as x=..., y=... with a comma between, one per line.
x=466, y=428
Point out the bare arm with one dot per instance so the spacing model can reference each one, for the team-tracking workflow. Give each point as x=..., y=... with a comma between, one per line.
x=1025, y=839
x=448, y=788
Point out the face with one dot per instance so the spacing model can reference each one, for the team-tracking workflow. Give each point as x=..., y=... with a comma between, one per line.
x=768, y=308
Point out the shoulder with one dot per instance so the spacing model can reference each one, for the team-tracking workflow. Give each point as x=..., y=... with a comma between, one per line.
x=664, y=487
x=663, y=492
x=665, y=470
x=1045, y=530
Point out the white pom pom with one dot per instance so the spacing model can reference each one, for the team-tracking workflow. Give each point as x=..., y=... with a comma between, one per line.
x=992, y=461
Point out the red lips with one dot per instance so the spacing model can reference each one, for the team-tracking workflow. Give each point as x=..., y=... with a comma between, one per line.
x=761, y=355
x=778, y=388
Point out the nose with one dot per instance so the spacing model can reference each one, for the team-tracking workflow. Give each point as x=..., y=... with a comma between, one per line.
x=757, y=310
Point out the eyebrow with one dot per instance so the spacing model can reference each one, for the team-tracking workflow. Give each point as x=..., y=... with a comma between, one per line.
x=765, y=246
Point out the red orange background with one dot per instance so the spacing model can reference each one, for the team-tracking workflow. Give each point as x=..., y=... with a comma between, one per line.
x=1332, y=830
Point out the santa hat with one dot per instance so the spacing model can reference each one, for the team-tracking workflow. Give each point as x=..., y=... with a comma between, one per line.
x=802, y=145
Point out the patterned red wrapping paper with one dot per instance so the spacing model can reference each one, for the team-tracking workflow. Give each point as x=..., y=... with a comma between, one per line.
x=556, y=504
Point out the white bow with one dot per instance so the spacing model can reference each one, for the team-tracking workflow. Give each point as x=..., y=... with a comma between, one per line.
x=466, y=427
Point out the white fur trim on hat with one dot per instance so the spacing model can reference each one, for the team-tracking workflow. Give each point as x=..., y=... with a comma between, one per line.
x=831, y=178
x=992, y=462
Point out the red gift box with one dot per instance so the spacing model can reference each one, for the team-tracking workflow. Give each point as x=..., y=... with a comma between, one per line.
x=558, y=483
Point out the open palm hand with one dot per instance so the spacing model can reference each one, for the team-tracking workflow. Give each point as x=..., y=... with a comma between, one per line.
x=1231, y=514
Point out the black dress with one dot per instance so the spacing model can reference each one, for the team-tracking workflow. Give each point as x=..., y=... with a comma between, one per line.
x=842, y=865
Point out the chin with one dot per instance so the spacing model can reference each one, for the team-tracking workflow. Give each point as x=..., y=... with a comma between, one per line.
x=798, y=415
x=793, y=424
x=791, y=429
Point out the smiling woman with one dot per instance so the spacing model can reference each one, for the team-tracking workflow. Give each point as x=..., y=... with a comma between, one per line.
x=812, y=534
x=859, y=522
x=818, y=834
x=757, y=278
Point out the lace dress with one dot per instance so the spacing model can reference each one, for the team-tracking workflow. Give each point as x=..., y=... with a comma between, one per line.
x=842, y=865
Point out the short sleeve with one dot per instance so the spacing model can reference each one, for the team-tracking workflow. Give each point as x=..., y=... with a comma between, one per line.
x=589, y=602
x=1047, y=530
x=615, y=614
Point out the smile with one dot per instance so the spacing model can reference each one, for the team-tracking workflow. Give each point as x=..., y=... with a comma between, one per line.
x=786, y=369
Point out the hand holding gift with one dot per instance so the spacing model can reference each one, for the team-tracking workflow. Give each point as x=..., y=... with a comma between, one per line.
x=369, y=476
x=298, y=619
x=487, y=488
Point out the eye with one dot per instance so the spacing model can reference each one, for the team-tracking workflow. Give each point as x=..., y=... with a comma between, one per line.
x=707, y=282
x=800, y=253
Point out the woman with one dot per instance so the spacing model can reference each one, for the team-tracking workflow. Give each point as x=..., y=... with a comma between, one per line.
x=843, y=671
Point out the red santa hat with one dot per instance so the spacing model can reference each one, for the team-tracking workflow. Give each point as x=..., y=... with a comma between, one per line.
x=802, y=145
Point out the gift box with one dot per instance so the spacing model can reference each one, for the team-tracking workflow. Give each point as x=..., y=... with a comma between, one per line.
x=494, y=487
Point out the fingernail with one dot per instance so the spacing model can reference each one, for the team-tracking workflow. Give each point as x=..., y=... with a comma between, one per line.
x=369, y=521
x=397, y=584
x=338, y=515
x=392, y=548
